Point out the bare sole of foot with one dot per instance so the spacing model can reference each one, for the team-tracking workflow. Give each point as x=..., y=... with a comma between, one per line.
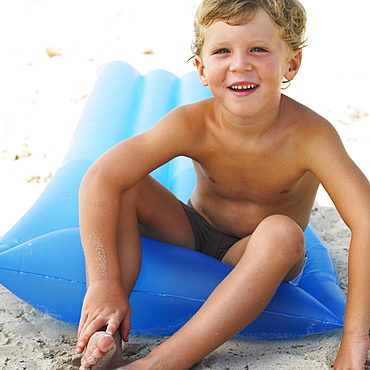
x=99, y=352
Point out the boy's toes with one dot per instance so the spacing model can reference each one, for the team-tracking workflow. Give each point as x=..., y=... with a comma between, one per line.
x=105, y=342
x=99, y=351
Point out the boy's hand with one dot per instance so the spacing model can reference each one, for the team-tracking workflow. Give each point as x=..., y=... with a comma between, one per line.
x=353, y=353
x=105, y=306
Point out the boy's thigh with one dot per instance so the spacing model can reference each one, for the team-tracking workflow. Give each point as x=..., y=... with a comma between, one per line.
x=257, y=244
x=161, y=215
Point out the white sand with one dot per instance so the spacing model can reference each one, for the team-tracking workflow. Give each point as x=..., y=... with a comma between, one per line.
x=42, y=98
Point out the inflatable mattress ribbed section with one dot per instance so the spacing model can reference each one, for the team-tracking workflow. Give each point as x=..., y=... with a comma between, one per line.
x=123, y=103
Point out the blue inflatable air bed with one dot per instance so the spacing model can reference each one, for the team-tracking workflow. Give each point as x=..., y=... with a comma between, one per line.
x=41, y=258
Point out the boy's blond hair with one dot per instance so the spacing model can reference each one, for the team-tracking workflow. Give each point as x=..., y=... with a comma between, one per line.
x=288, y=15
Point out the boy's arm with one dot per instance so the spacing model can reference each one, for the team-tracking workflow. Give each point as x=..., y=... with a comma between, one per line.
x=350, y=191
x=106, y=304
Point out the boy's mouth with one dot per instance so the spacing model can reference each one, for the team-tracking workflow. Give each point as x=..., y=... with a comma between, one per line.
x=243, y=87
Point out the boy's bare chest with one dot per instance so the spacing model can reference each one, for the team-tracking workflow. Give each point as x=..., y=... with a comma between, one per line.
x=246, y=173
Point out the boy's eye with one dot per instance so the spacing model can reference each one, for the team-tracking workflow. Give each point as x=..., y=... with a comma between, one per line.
x=222, y=51
x=258, y=50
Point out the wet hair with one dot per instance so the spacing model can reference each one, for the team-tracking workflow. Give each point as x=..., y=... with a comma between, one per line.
x=289, y=16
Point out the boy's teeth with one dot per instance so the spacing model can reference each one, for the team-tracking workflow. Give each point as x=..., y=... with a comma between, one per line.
x=243, y=87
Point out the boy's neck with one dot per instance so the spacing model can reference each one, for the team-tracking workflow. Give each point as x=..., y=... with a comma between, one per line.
x=250, y=126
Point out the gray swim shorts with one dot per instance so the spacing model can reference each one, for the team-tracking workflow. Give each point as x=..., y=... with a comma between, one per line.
x=208, y=240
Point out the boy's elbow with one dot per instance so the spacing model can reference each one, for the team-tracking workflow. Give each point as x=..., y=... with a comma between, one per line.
x=86, y=182
x=93, y=179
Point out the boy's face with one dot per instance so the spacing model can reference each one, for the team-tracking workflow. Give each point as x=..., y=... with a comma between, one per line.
x=245, y=65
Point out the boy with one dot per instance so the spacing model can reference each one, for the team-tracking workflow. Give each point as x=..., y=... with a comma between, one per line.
x=259, y=157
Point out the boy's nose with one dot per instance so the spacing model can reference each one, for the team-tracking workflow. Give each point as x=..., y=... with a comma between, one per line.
x=240, y=63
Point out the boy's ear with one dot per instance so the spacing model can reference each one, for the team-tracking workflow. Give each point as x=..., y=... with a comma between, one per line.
x=294, y=65
x=201, y=70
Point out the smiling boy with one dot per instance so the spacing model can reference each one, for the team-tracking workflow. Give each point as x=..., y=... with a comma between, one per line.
x=259, y=157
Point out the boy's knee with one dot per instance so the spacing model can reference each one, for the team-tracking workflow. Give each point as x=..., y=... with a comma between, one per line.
x=287, y=236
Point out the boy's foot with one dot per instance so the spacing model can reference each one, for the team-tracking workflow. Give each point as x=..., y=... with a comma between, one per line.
x=103, y=352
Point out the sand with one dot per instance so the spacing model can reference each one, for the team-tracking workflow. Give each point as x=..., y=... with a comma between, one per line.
x=51, y=50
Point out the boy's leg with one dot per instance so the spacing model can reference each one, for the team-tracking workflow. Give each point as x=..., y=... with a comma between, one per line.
x=151, y=210
x=274, y=250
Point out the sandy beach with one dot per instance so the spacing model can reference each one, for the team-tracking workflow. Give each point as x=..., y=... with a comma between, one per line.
x=51, y=51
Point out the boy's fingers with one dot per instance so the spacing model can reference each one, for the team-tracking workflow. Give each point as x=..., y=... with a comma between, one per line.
x=112, y=326
x=88, y=331
x=126, y=327
x=96, y=325
x=81, y=324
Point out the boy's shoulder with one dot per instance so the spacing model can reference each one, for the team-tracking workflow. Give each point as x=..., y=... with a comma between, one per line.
x=193, y=115
x=199, y=108
x=303, y=117
x=183, y=124
x=312, y=132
